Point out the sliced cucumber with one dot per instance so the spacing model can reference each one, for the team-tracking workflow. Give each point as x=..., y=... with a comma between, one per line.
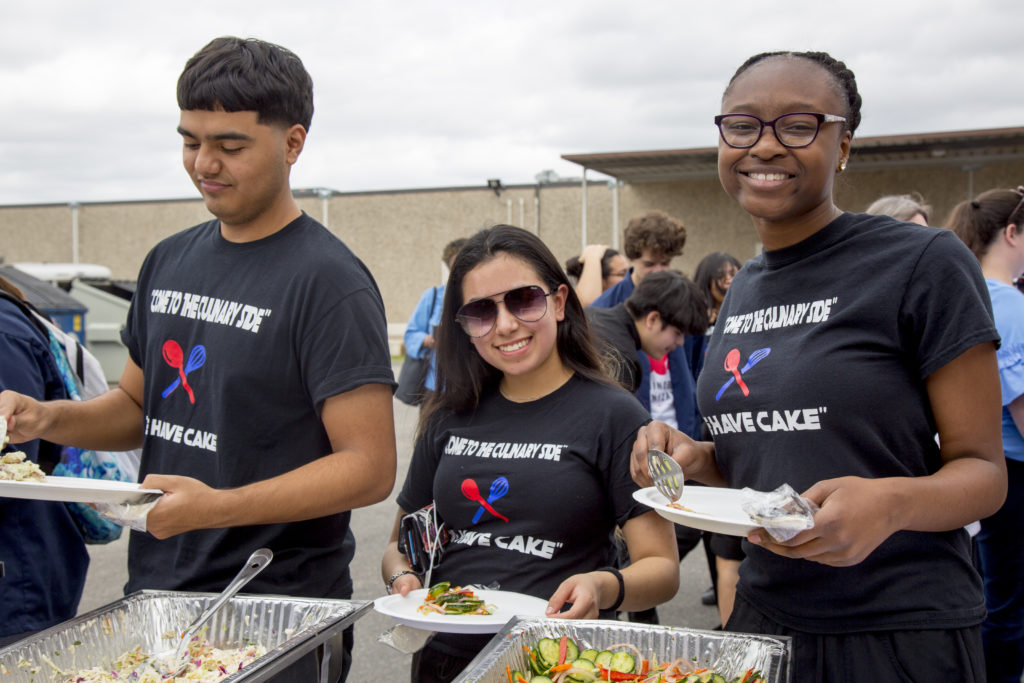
x=590, y=654
x=623, y=662
x=586, y=671
x=604, y=658
x=547, y=652
x=537, y=663
x=572, y=650
x=541, y=678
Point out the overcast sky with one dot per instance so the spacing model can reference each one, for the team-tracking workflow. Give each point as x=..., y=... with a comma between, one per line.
x=437, y=94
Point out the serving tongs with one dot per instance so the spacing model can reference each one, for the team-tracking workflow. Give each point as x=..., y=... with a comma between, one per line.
x=666, y=473
x=169, y=667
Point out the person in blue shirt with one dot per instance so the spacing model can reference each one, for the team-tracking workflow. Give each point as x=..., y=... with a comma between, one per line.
x=42, y=554
x=419, y=333
x=992, y=225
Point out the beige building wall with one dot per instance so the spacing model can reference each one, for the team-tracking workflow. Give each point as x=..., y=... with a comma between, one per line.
x=400, y=235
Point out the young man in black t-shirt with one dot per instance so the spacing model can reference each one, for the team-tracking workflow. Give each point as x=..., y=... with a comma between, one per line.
x=259, y=381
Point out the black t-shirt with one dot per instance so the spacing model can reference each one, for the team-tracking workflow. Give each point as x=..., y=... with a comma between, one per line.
x=561, y=466
x=617, y=336
x=832, y=339
x=264, y=333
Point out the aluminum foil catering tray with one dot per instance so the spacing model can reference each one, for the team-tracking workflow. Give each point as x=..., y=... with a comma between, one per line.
x=287, y=627
x=729, y=653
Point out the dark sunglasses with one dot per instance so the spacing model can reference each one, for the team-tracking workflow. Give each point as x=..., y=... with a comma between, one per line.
x=528, y=304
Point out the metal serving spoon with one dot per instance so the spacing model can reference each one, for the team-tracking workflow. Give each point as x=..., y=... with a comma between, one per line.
x=666, y=473
x=178, y=662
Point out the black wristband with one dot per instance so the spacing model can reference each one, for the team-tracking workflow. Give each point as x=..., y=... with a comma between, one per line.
x=622, y=587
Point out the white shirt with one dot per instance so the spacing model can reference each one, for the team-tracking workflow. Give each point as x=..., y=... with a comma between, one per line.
x=663, y=407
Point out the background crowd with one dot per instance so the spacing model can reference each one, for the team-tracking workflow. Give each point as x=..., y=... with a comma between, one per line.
x=907, y=340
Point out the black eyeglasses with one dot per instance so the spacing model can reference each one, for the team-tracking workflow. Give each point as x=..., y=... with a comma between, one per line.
x=795, y=130
x=528, y=304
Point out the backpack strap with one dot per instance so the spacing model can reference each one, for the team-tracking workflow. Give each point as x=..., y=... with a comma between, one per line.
x=29, y=310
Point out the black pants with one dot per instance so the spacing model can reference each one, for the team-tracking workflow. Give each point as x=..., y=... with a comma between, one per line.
x=432, y=666
x=891, y=656
x=1001, y=557
x=307, y=668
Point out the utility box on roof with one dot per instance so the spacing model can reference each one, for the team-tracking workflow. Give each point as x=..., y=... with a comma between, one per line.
x=66, y=311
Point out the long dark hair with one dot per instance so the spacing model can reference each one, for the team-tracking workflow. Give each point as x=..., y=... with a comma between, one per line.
x=462, y=375
x=708, y=270
x=978, y=221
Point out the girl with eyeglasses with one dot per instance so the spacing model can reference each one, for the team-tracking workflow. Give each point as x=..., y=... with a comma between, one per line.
x=714, y=276
x=992, y=226
x=525, y=449
x=846, y=387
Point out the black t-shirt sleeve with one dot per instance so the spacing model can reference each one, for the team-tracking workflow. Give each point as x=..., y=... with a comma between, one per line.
x=946, y=308
x=418, y=489
x=347, y=347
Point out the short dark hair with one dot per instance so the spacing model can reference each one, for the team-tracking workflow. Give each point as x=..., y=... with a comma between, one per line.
x=674, y=297
x=841, y=75
x=452, y=248
x=462, y=375
x=247, y=74
x=574, y=267
x=657, y=231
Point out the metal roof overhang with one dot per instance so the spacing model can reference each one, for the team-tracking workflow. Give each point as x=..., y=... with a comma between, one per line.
x=958, y=148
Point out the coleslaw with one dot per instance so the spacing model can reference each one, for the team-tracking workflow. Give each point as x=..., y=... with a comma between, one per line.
x=207, y=664
x=443, y=599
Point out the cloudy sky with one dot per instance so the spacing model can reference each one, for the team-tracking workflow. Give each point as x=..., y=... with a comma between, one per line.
x=450, y=93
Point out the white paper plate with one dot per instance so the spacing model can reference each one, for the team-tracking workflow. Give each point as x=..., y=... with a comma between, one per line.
x=506, y=603
x=76, y=490
x=708, y=508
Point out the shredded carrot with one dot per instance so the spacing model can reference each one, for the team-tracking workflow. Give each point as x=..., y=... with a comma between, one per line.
x=561, y=667
x=508, y=672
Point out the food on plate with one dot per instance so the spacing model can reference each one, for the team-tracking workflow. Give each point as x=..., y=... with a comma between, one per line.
x=205, y=664
x=443, y=599
x=17, y=467
x=560, y=660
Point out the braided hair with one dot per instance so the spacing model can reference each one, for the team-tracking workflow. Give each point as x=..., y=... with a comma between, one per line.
x=840, y=73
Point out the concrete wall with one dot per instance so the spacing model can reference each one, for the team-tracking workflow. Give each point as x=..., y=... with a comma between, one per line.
x=400, y=235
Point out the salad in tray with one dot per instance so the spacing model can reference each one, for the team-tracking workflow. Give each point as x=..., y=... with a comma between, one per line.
x=442, y=598
x=561, y=661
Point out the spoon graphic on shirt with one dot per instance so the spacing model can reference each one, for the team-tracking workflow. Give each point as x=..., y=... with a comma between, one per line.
x=196, y=359
x=751, y=362
x=174, y=357
x=470, y=490
x=732, y=364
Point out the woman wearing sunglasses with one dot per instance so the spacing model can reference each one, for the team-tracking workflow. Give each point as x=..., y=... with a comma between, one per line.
x=525, y=450
x=846, y=385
